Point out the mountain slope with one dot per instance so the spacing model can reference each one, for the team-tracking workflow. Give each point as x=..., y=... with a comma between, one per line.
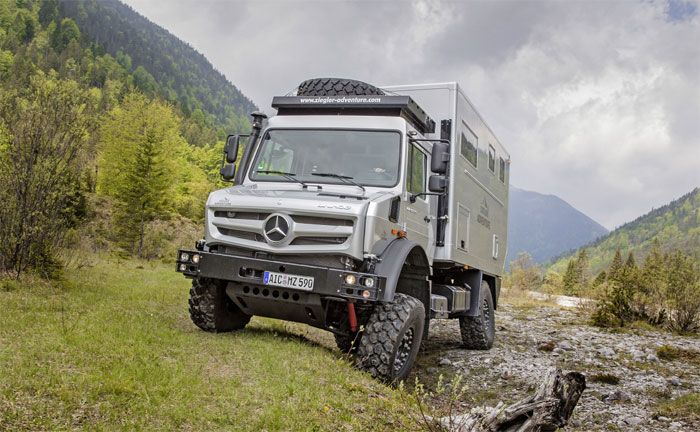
x=161, y=63
x=545, y=226
x=675, y=226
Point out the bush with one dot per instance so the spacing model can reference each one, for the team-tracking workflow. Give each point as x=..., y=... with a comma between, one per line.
x=44, y=129
x=683, y=293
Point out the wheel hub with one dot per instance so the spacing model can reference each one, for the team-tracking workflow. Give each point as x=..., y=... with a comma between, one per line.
x=404, y=350
x=487, y=313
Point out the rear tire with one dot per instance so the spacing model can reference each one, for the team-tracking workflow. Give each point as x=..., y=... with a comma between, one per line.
x=212, y=310
x=389, y=345
x=478, y=332
x=336, y=87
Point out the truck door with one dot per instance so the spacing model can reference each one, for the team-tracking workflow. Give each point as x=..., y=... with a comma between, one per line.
x=417, y=215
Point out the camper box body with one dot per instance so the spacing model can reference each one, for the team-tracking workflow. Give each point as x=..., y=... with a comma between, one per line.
x=477, y=218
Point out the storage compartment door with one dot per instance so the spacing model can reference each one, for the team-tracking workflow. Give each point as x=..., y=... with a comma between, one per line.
x=462, y=238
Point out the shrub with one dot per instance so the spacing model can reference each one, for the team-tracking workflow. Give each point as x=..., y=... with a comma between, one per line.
x=683, y=293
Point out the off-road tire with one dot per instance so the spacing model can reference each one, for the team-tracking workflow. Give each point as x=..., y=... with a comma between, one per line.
x=393, y=329
x=336, y=87
x=478, y=332
x=212, y=310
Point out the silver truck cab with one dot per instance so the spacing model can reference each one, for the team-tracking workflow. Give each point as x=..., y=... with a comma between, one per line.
x=341, y=206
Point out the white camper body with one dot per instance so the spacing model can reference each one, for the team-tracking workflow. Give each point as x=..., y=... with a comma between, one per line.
x=476, y=230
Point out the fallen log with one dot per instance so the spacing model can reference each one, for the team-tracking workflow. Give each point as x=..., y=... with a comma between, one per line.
x=547, y=410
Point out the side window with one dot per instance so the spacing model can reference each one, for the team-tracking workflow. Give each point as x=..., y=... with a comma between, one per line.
x=502, y=169
x=416, y=170
x=468, y=146
x=492, y=159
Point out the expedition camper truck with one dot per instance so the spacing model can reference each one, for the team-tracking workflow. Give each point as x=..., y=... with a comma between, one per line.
x=354, y=212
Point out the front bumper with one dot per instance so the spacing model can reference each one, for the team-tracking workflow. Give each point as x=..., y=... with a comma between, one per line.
x=247, y=273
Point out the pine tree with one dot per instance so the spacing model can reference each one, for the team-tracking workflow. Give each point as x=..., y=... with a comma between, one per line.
x=615, y=271
x=630, y=263
x=570, y=280
x=600, y=279
x=139, y=144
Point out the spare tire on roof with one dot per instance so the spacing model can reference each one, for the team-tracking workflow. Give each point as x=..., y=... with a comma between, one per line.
x=336, y=87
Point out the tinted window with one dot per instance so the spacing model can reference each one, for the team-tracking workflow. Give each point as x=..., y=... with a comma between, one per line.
x=492, y=159
x=502, y=169
x=369, y=157
x=416, y=170
x=468, y=146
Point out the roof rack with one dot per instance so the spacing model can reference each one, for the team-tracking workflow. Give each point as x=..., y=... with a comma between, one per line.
x=402, y=106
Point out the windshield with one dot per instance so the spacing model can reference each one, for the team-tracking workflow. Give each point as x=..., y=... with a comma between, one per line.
x=369, y=158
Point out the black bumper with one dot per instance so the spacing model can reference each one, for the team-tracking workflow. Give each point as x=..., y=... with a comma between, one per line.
x=247, y=274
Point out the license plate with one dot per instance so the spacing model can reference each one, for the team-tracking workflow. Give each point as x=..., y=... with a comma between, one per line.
x=285, y=280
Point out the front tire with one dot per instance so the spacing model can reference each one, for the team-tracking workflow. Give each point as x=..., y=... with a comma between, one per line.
x=391, y=339
x=212, y=310
x=478, y=332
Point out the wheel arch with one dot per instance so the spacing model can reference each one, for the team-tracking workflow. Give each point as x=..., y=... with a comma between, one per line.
x=406, y=268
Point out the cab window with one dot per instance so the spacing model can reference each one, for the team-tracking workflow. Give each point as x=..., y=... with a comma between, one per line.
x=416, y=170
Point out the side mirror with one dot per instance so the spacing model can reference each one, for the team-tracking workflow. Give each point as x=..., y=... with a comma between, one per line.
x=228, y=171
x=439, y=158
x=437, y=183
x=231, y=148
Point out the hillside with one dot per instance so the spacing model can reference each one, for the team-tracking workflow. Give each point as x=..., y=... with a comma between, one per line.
x=162, y=64
x=675, y=225
x=546, y=226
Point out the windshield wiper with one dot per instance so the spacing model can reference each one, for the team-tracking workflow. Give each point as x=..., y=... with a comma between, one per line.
x=287, y=175
x=346, y=179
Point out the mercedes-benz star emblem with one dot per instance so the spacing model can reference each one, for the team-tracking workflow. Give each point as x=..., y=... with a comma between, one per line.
x=276, y=228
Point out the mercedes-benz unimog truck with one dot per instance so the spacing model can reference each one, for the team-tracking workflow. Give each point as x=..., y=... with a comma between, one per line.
x=360, y=210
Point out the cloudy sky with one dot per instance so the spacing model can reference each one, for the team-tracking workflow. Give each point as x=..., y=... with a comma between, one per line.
x=598, y=102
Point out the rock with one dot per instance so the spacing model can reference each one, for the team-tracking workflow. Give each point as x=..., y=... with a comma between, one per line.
x=566, y=346
x=444, y=362
x=633, y=421
x=606, y=352
x=432, y=370
x=675, y=425
x=675, y=381
x=652, y=358
x=617, y=396
x=663, y=419
x=576, y=423
x=558, y=350
x=546, y=346
x=506, y=374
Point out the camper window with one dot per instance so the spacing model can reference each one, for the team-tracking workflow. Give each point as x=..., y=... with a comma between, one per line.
x=492, y=159
x=468, y=148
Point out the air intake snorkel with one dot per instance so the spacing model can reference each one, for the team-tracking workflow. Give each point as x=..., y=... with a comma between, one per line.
x=258, y=119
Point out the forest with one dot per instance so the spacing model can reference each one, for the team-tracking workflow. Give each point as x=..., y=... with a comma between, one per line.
x=111, y=132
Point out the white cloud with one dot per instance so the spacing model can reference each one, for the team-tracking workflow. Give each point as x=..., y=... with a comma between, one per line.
x=598, y=102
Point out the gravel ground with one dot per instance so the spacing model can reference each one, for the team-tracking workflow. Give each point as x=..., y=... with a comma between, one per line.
x=530, y=340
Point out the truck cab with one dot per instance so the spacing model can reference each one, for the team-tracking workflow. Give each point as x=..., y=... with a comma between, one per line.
x=339, y=208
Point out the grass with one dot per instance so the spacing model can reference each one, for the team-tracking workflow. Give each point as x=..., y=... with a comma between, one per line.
x=686, y=407
x=112, y=347
x=668, y=352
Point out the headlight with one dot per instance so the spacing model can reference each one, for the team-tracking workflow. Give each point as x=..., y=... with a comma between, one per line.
x=350, y=279
x=368, y=282
x=195, y=258
x=185, y=256
x=183, y=267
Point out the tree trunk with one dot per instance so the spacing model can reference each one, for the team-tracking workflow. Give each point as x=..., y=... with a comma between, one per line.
x=547, y=410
